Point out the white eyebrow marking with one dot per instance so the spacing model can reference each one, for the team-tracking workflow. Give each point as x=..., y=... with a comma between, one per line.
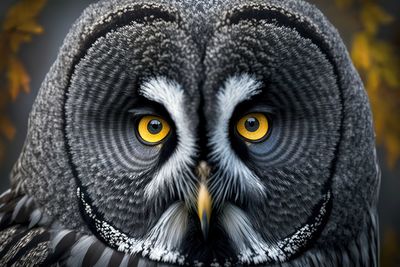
x=176, y=171
x=233, y=176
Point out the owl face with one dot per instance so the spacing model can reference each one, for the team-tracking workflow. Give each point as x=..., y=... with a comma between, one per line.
x=209, y=142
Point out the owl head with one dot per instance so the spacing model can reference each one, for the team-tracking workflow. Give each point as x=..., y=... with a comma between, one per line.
x=201, y=132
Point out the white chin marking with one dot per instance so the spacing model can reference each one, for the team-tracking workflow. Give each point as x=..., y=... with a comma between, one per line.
x=176, y=172
x=163, y=241
x=249, y=245
x=251, y=248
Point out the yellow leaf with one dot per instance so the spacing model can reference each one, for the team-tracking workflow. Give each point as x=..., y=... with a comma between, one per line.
x=30, y=27
x=18, y=78
x=7, y=129
x=379, y=14
x=361, y=51
x=368, y=21
x=391, y=76
x=373, y=80
x=21, y=12
x=382, y=52
x=373, y=16
x=18, y=27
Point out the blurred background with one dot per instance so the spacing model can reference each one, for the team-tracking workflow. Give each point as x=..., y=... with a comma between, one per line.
x=31, y=32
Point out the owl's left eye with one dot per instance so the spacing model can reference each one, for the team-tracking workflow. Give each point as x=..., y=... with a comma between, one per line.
x=253, y=127
x=152, y=130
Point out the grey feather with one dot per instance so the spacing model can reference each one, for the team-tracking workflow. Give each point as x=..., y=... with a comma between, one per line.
x=79, y=250
x=35, y=217
x=19, y=206
x=105, y=258
x=57, y=239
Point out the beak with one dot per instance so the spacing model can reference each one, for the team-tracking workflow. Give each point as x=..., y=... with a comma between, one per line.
x=204, y=209
x=204, y=202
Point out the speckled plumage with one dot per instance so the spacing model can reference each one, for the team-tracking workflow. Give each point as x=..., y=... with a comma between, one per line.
x=306, y=196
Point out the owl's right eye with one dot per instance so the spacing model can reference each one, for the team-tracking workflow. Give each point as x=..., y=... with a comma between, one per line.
x=152, y=130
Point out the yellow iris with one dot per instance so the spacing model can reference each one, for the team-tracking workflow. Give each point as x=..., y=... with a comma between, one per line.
x=153, y=129
x=253, y=127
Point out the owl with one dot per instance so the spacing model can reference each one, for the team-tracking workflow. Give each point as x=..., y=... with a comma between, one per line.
x=196, y=133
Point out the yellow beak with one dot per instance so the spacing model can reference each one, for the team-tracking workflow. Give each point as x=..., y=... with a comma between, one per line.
x=204, y=202
x=204, y=209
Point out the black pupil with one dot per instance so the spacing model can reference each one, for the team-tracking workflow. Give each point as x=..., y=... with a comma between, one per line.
x=252, y=124
x=154, y=126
